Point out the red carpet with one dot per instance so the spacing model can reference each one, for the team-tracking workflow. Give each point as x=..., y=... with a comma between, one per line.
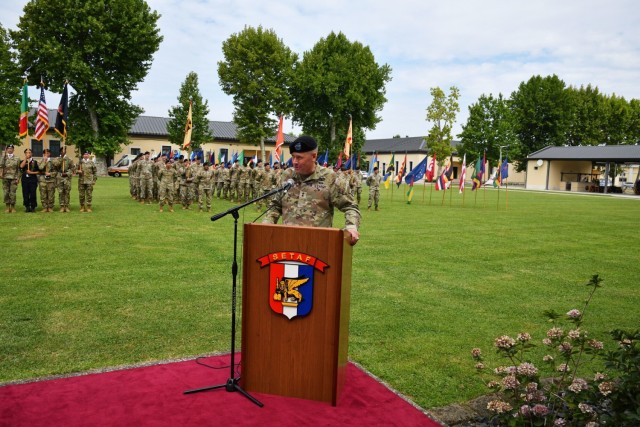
x=153, y=396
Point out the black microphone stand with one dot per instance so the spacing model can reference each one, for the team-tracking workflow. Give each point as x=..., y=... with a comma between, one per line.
x=232, y=383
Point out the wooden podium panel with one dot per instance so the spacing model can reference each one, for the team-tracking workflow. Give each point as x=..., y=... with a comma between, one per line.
x=304, y=356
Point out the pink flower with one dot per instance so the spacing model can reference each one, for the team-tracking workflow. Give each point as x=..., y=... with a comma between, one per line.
x=606, y=387
x=574, y=314
x=498, y=406
x=540, y=410
x=527, y=369
x=585, y=408
x=547, y=358
x=563, y=367
x=575, y=334
x=547, y=341
x=578, y=385
x=505, y=342
x=597, y=345
x=493, y=384
x=555, y=333
x=560, y=422
x=565, y=347
x=510, y=382
x=476, y=353
x=479, y=365
x=524, y=337
x=599, y=376
x=525, y=410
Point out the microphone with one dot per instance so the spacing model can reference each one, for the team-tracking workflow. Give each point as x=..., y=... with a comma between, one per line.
x=287, y=185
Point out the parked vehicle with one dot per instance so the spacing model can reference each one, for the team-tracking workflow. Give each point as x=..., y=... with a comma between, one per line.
x=121, y=166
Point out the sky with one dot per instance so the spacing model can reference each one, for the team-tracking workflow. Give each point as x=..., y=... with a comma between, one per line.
x=481, y=47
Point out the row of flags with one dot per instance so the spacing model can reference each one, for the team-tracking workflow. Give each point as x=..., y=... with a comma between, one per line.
x=42, y=114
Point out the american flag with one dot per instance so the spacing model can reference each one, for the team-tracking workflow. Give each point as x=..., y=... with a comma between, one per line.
x=42, y=120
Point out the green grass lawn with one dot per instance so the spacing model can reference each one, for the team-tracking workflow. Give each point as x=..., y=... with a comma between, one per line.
x=127, y=284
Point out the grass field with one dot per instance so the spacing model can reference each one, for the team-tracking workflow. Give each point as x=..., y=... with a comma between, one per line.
x=127, y=284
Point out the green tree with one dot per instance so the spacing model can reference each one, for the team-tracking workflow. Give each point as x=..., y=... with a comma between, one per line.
x=542, y=112
x=10, y=95
x=103, y=48
x=337, y=79
x=489, y=127
x=617, y=122
x=633, y=136
x=588, y=119
x=200, y=132
x=256, y=72
x=442, y=113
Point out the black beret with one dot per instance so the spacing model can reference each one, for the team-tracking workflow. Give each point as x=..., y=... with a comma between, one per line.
x=146, y=152
x=86, y=152
x=10, y=146
x=303, y=144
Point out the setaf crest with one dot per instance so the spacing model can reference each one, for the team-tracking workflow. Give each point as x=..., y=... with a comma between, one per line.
x=291, y=281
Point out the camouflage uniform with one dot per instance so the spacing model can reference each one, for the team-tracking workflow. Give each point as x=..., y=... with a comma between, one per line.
x=311, y=201
x=48, y=184
x=234, y=183
x=225, y=177
x=10, y=165
x=267, y=182
x=65, y=168
x=186, y=185
x=196, y=168
x=244, y=182
x=217, y=188
x=87, y=177
x=166, y=186
x=145, y=171
x=205, y=182
x=358, y=194
x=133, y=179
x=373, y=181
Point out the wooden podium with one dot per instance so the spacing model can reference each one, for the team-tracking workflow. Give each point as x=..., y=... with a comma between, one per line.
x=284, y=351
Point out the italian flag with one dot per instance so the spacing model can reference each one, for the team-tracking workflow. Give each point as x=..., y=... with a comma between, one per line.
x=24, y=111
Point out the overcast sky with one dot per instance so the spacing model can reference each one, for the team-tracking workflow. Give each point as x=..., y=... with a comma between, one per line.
x=482, y=47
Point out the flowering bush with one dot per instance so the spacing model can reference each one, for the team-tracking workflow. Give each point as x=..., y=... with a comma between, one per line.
x=565, y=398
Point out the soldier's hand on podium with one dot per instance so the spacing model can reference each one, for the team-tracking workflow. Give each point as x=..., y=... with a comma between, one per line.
x=355, y=236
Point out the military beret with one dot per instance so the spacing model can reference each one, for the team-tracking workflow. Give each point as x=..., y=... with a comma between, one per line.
x=207, y=164
x=10, y=146
x=303, y=144
x=86, y=152
x=146, y=152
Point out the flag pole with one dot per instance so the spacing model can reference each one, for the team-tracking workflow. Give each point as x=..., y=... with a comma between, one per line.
x=450, y=194
x=506, y=194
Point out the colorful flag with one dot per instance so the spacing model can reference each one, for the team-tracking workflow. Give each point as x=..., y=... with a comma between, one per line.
x=410, y=192
x=386, y=178
x=42, y=121
x=417, y=173
x=442, y=183
x=347, y=164
x=279, y=141
x=431, y=170
x=241, y=158
x=222, y=159
x=255, y=159
x=372, y=163
x=392, y=162
x=478, y=173
x=188, y=127
x=463, y=174
x=504, y=170
x=63, y=113
x=323, y=160
x=339, y=162
x=24, y=111
x=290, y=162
x=271, y=159
x=400, y=175
x=348, y=141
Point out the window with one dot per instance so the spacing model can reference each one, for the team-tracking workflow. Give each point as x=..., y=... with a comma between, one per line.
x=224, y=154
x=54, y=146
x=166, y=150
x=36, y=148
x=135, y=151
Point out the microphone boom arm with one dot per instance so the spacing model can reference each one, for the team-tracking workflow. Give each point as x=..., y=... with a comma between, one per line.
x=284, y=188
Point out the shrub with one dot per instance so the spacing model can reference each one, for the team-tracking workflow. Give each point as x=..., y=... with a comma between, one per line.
x=565, y=397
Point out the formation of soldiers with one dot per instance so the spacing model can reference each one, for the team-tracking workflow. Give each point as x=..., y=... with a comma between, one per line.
x=50, y=175
x=180, y=181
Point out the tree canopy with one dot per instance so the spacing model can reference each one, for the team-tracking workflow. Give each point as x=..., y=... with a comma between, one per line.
x=103, y=48
x=256, y=71
x=337, y=79
x=442, y=113
x=10, y=85
x=200, y=132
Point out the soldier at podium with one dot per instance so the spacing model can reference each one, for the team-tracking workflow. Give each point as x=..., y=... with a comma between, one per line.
x=314, y=194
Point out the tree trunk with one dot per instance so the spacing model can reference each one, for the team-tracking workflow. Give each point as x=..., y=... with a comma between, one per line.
x=101, y=161
x=263, y=153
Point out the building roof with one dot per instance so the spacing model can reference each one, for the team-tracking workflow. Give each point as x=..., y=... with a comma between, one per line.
x=157, y=126
x=596, y=153
x=413, y=144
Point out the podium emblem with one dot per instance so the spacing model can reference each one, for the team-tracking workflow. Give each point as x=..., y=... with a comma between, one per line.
x=291, y=281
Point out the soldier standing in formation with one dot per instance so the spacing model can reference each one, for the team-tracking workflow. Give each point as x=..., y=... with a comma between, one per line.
x=204, y=181
x=29, y=169
x=87, y=177
x=65, y=168
x=10, y=166
x=314, y=195
x=358, y=185
x=267, y=183
x=373, y=181
x=48, y=182
x=167, y=178
x=145, y=172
